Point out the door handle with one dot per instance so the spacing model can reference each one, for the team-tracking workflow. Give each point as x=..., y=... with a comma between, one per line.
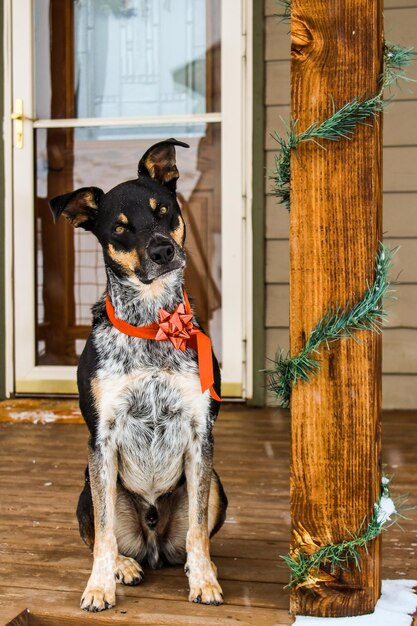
x=18, y=117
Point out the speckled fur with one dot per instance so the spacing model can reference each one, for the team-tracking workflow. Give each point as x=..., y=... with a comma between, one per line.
x=151, y=494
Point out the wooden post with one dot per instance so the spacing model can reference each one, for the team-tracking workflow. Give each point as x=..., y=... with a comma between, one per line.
x=335, y=227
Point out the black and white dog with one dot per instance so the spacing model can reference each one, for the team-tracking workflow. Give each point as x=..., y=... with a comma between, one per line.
x=151, y=494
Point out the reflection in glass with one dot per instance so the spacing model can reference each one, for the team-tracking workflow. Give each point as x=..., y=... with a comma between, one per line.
x=126, y=58
x=70, y=273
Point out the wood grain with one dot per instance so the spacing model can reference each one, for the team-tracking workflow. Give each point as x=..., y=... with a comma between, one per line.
x=45, y=565
x=335, y=226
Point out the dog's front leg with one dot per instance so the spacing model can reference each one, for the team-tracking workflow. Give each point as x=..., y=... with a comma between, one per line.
x=100, y=592
x=201, y=572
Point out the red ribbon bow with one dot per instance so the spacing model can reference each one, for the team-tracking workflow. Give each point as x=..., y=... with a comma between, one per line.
x=178, y=328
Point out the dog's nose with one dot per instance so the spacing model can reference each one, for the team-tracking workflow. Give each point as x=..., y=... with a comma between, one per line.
x=161, y=251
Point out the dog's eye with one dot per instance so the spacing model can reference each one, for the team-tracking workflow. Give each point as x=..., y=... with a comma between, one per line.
x=119, y=229
x=163, y=210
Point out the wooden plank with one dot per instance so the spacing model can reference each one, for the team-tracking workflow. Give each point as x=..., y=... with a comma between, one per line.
x=400, y=214
x=404, y=264
x=399, y=351
x=277, y=306
x=399, y=24
x=400, y=18
x=277, y=220
x=401, y=312
x=156, y=585
x=277, y=261
x=275, y=118
x=270, y=168
x=335, y=226
x=399, y=129
x=44, y=549
x=252, y=455
x=62, y=609
x=399, y=382
x=277, y=39
x=271, y=8
x=394, y=5
x=276, y=338
x=400, y=169
x=399, y=391
x=276, y=73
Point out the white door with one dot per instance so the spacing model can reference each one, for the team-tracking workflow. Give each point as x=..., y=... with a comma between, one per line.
x=97, y=82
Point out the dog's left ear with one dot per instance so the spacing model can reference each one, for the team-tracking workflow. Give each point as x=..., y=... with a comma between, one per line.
x=80, y=207
x=159, y=162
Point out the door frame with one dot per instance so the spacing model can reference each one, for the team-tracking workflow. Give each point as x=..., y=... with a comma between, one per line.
x=22, y=376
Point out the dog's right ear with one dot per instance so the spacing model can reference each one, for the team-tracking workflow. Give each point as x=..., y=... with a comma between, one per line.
x=80, y=207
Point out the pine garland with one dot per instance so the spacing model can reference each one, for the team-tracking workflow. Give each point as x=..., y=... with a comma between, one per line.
x=305, y=561
x=343, y=122
x=309, y=563
x=286, y=10
x=337, y=323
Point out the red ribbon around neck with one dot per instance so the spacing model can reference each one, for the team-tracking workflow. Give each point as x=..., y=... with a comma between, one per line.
x=178, y=328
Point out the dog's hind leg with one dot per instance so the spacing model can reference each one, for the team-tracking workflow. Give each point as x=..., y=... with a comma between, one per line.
x=128, y=571
x=127, y=530
x=175, y=533
x=130, y=540
x=217, y=505
x=85, y=513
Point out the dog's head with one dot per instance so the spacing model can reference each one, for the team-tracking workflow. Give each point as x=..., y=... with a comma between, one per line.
x=138, y=223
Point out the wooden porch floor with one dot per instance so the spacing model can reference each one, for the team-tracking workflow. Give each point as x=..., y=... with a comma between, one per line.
x=44, y=566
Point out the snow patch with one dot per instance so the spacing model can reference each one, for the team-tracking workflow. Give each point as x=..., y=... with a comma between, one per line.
x=37, y=417
x=394, y=608
x=384, y=509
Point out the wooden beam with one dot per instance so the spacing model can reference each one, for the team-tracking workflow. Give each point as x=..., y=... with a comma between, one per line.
x=335, y=227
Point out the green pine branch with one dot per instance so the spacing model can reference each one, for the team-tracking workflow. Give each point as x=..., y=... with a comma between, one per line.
x=396, y=60
x=305, y=567
x=285, y=10
x=336, y=324
x=342, y=123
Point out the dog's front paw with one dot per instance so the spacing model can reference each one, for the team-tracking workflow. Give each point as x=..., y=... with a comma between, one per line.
x=128, y=571
x=97, y=598
x=204, y=586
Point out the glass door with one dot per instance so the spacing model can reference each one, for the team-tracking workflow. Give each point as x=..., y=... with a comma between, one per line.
x=99, y=81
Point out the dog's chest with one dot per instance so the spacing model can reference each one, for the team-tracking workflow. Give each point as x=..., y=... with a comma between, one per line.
x=151, y=416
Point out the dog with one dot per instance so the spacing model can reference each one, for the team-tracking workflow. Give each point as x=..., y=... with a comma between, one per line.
x=151, y=495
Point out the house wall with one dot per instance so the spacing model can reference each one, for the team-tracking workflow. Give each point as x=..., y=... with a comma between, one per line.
x=400, y=204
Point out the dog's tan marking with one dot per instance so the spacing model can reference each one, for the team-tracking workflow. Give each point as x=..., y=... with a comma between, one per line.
x=153, y=203
x=89, y=199
x=178, y=234
x=123, y=219
x=129, y=260
x=77, y=219
x=214, y=505
x=164, y=169
x=76, y=211
x=96, y=391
